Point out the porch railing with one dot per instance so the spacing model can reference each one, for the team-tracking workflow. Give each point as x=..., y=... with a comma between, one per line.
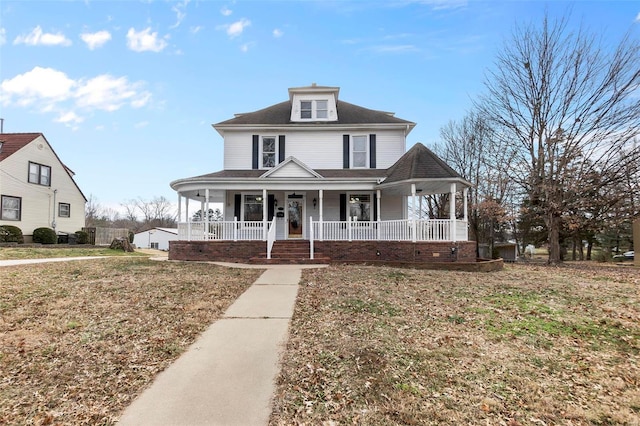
x=228, y=230
x=350, y=230
x=390, y=230
x=271, y=237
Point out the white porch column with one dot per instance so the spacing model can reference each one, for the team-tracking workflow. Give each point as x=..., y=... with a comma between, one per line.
x=452, y=211
x=465, y=195
x=186, y=209
x=179, y=208
x=265, y=206
x=378, y=203
x=206, y=214
x=321, y=214
x=413, y=226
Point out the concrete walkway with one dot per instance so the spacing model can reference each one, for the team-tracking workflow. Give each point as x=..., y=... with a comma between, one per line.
x=227, y=377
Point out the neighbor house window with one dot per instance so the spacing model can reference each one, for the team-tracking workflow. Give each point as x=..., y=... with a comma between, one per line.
x=314, y=109
x=39, y=174
x=252, y=207
x=360, y=206
x=359, y=151
x=155, y=246
x=268, y=151
x=64, y=210
x=11, y=208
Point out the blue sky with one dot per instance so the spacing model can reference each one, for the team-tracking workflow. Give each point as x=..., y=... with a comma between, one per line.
x=126, y=91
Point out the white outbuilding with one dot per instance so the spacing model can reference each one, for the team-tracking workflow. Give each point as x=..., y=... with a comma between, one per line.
x=155, y=238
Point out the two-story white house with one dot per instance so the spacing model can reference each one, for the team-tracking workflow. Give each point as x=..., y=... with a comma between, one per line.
x=36, y=188
x=330, y=173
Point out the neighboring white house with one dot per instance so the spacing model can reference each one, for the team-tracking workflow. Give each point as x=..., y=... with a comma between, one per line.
x=156, y=238
x=36, y=188
x=315, y=159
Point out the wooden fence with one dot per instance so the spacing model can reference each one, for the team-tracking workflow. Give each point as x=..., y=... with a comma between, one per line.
x=104, y=236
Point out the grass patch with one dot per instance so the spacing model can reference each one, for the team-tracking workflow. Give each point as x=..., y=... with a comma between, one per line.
x=79, y=340
x=14, y=253
x=525, y=346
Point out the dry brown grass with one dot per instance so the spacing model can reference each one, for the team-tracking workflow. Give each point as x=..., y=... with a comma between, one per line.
x=79, y=340
x=530, y=345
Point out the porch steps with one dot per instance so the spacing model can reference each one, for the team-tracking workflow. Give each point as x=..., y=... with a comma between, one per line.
x=291, y=252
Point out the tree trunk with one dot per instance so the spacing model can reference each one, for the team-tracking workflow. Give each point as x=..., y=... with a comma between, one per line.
x=554, y=239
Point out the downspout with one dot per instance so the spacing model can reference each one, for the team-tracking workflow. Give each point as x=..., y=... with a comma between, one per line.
x=53, y=219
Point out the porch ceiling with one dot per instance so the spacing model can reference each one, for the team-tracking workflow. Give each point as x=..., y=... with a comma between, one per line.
x=423, y=186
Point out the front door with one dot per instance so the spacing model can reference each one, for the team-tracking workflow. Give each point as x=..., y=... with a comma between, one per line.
x=296, y=215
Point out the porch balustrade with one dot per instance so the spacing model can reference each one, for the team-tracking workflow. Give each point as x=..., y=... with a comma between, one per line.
x=350, y=230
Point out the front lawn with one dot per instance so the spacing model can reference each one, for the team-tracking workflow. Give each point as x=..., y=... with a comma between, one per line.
x=9, y=253
x=79, y=340
x=530, y=345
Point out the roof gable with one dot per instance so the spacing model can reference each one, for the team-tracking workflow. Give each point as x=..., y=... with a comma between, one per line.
x=13, y=142
x=291, y=168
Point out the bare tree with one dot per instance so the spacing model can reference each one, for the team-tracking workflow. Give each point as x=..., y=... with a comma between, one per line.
x=565, y=107
x=470, y=148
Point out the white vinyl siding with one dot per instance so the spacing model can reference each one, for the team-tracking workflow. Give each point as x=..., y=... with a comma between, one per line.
x=318, y=149
x=38, y=206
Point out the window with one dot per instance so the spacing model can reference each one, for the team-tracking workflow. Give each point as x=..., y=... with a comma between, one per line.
x=155, y=246
x=314, y=109
x=305, y=109
x=39, y=174
x=268, y=151
x=64, y=210
x=360, y=206
x=321, y=109
x=252, y=207
x=359, y=151
x=11, y=208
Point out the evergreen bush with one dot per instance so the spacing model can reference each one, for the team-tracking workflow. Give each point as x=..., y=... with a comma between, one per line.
x=11, y=234
x=44, y=236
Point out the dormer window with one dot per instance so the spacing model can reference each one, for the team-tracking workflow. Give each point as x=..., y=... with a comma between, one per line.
x=310, y=110
x=305, y=109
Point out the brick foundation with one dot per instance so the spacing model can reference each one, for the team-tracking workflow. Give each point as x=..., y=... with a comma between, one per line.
x=337, y=251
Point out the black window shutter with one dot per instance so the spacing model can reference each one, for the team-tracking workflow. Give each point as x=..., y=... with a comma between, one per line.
x=345, y=151
x=256, y=141
x=343, y=207
x=281, y=149
x=236, y=206
x=375, y=207
x=372, y=151
x=271, y=206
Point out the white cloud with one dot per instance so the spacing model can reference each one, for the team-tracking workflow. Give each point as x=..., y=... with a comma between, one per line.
x=236, y=29
x=52, y=91
x=638, y=18
x=109, y=93
x=38, y=38
x=245, y=47
x=145, y=40
x=40, y=85
x=180, y=11
x=141, y=124
x=394, y=48
x=95, y=40
x=225, y=11
x=69, y=118
x=3, y=36
x=277, y=33
x=196, y=29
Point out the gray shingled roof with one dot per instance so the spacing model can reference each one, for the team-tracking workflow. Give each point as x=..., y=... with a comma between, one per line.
x=419, y=163
x=280, y=114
